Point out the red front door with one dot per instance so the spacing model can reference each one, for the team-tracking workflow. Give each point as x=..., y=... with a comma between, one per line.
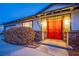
x=55, y=28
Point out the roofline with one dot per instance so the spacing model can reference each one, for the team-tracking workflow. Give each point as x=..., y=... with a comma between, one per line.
x=46, y=8
x=32, y=15
x=18, y=20
x=29, y=16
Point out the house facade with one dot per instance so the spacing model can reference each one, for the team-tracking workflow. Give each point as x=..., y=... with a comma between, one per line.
x=60, y=22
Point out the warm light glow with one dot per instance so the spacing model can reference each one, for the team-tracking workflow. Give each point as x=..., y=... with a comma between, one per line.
x=44, y=23
x=27, y=24
x=66, y=22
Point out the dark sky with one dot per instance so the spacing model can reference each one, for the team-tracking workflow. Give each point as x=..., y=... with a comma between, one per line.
x=13, y=11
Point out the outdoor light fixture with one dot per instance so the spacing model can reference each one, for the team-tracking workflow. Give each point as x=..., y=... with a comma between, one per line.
x=44, y=26
x=44, y=23
x=67, y=22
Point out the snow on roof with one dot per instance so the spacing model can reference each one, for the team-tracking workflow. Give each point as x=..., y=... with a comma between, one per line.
x=59, y=6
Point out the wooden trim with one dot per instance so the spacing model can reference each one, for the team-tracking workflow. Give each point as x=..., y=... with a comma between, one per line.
x=68, y=10
x=67, y=42
x=42, y=30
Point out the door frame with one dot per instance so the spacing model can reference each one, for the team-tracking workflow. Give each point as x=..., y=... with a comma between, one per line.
x=62, y=23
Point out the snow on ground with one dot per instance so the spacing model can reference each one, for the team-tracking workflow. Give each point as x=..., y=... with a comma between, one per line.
x=53, y=50
x=42, y=50
x=29, y=52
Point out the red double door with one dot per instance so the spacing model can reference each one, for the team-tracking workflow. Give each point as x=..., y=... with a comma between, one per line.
x=55, y=28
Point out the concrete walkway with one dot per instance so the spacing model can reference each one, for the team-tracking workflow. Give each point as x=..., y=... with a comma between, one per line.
x=42, y=50
x=55, y=42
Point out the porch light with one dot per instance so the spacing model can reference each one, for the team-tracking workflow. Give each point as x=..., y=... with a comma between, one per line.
x=67, y=22
x=44, y=23
x=66, y=25
x=44, y=27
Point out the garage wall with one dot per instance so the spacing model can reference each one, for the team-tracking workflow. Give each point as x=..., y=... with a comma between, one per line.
x=75, y=20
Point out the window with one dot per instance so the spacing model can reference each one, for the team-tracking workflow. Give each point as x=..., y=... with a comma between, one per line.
x=37, y=25
x=27, y=24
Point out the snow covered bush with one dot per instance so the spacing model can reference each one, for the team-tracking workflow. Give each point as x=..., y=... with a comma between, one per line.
x=20, y=35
